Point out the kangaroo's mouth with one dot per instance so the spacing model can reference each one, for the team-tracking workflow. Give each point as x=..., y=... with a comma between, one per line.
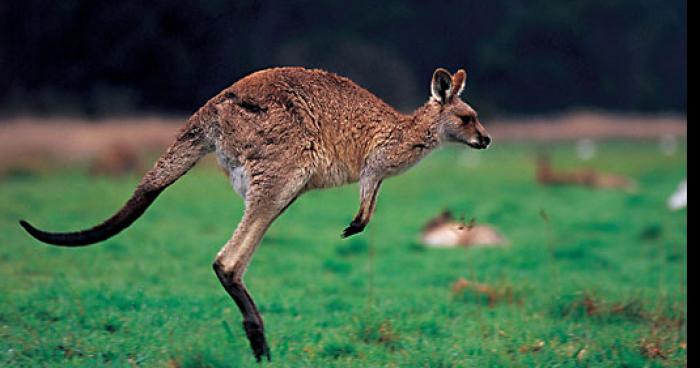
x=479, y=143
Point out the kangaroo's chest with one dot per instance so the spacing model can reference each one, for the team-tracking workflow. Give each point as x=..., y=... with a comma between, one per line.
x=330, y=173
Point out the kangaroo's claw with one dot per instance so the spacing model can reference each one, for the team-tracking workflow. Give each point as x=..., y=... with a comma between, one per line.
x=256, y=336
x=352, y=229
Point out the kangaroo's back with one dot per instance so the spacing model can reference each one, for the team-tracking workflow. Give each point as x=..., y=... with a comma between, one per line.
x=311, y=118
x=323, y=102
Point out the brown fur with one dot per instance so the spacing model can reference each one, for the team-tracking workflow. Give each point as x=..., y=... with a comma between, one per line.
x=546, y=175
x=282, y=132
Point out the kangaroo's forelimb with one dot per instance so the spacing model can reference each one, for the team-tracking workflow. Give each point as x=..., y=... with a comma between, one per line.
x=369, y=188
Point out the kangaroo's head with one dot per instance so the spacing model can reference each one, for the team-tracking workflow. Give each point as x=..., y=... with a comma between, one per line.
x=456, y=120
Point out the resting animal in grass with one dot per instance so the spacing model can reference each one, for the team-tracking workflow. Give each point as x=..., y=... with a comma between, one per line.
x=444, y=231
x=282, y=132
x=546, y=175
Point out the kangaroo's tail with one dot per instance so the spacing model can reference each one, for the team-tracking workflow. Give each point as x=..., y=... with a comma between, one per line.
x=190, y=145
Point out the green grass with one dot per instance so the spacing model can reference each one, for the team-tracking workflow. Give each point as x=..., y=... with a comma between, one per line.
x=602, y=282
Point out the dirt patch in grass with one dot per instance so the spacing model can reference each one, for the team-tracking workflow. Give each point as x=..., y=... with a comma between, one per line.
x=380, y=332
x=466, y=290
x=664, y=328
x=633, y=310
x=588, y=124
x=37, y=144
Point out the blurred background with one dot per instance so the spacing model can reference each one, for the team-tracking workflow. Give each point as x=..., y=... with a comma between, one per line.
x=105, y=57
x=578, y=251
x=142, y=68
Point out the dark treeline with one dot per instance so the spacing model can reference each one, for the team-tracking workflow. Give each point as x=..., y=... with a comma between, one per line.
x=523, y=56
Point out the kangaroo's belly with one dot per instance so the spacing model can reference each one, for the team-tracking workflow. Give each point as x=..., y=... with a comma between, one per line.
x=236, y=173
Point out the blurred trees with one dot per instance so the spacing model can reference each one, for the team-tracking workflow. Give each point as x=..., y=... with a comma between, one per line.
x=522, y=55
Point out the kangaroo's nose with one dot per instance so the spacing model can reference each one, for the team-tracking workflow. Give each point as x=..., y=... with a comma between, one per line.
x=486, y=140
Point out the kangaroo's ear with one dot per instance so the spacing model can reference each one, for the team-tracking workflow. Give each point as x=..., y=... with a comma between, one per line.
x=441, y=86
x=459, y=80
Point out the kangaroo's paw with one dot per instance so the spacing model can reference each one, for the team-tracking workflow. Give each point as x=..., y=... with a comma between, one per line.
x=256, y=336
x=352, y=229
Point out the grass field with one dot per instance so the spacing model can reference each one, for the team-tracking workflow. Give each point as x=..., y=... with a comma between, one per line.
x=591, y=278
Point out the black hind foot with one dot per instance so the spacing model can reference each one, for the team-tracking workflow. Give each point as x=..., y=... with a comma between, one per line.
x=352, y=229
x=256, y=336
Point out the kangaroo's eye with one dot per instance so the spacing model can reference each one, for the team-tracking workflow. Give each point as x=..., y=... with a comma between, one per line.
x=467, y=119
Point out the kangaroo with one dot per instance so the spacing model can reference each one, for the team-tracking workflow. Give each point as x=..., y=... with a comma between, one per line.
x=546, y=175
x=444, y=231
x=284, y=131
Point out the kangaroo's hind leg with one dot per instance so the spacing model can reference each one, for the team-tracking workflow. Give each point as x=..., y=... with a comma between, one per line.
x=264, y=203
